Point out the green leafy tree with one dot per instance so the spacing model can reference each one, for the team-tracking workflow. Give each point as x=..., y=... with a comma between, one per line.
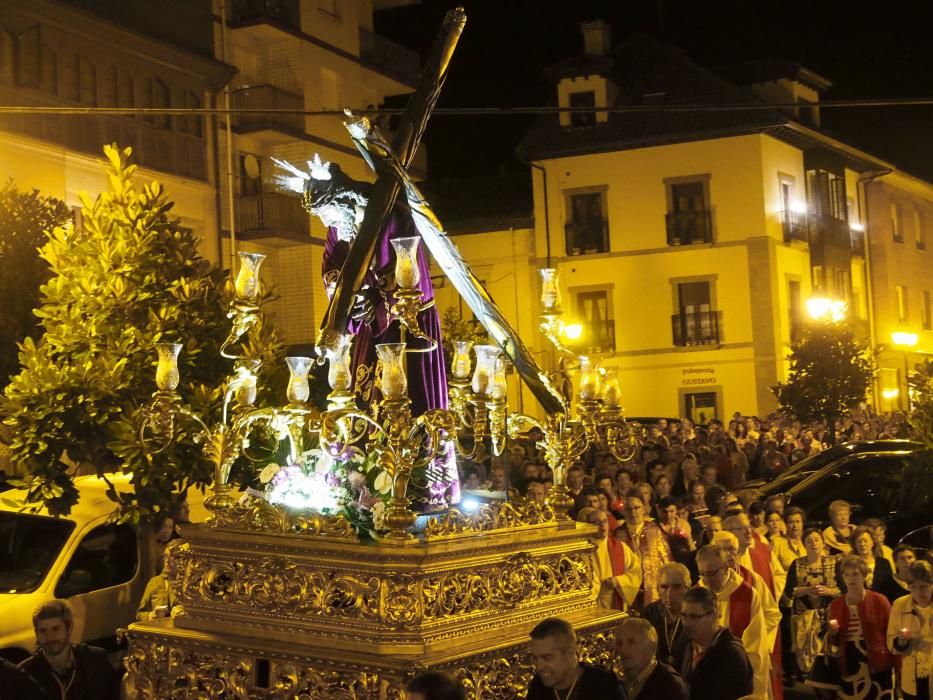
x=921, y=418
x=129, y=278
x=454, y=328
x=830, y=373
x=25, y=219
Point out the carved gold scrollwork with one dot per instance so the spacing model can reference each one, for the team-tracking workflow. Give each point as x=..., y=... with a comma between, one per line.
x=488, y=517
x=259, y=515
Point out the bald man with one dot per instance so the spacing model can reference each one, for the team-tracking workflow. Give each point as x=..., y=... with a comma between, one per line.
x=645, y=678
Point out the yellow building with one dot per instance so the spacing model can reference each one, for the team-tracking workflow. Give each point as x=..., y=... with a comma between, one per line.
x=315, y=55
x=690, y=241
x=53, y=54
x=900, y=212
x=285, y=54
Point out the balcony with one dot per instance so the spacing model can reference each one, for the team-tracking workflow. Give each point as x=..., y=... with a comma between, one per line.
x=389, y=58
x=795, y=226
x=696, y=328
x=268, y=97
x=160, y=149
x=282, y=13
x=587, y=237
x=828, y=230
x=272, y=215
x=601, y=336
x=689, y=227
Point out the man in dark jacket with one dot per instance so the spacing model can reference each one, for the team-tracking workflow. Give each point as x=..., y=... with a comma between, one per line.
x=716, y=666
x=67, y=671
x=645, y=677
x=558, y=673
x=16, y=683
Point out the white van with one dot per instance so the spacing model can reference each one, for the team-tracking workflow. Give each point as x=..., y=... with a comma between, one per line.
x=93, y=564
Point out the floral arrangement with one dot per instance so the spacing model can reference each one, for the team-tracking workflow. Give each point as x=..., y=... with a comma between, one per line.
x=350, y=483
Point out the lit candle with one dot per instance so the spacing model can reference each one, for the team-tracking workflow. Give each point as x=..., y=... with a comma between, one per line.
x=298, y=389
x=167, y=376
x=550, y=289
x=589, y=379
x=612, y=394
x=393, y=383
x=486, y=356
x=460, y=366
x=338, y=374
x=499, y=386
x=407, y=274
x=247, y=279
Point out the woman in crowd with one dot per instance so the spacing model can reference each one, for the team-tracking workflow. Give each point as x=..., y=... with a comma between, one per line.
x=866, y=548
x=676, y=531
x=774, y=525
x=647, y=496
x=663, y=487
x=880, y=531
x=858, y=626
x=756, y=516
x=811, y=586
x=838, y=536
x=910, y=632
x=686, y=473
x=898, y=587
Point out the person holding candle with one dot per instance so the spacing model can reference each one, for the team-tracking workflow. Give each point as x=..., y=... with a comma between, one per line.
x=858, y=626
x=811, y=587
x=910, y=632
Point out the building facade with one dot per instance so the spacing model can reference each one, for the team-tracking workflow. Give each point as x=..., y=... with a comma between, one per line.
x=689, y=242
x=317, y=55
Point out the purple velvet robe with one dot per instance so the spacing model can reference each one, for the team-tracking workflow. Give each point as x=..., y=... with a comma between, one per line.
x=427, y=372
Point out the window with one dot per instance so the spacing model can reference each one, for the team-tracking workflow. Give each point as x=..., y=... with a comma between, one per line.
x=818, y=278
x=695, y=323
x=156, y=94
x=106, y=557
x=580, y=100
x=593, y=309
x=920, y=234
x=192, y=124
x=586, y=230
x=79, y=80
x=688, y=218
x=29, y=545
x=116, y=89
x=27, y=58
x=900, y=292
x=794, y=310
x=926, y=320
x=827, y=194
x=330, y=89
x=250, y=175
x=872, y=484
x=896, y=231
x=807, y=111
x=329, y=7
x=700, y=407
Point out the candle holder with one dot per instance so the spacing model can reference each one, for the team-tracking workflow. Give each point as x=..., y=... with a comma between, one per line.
x=393, y=381
x=339, y=375
x=408, y=295
x=298, y=389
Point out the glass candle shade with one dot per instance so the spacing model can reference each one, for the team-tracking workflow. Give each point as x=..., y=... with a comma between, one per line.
x=407, y=274
x=247, y=279
x=247, y=390
x=484, y=373
x=167, y=375
x=589, y=378
x=499, y=387
x=338, y=373
x=460, y=366
x=298, y=390
x=612, y=393
x=393, y=383
x=550, y=289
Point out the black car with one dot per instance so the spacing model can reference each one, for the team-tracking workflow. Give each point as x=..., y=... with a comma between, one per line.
x=801, y=470
x=896, y=487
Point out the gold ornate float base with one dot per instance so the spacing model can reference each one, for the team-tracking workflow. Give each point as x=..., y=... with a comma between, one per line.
x=275, y=614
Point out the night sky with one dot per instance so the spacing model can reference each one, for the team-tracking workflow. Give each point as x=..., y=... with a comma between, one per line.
x=867, y=49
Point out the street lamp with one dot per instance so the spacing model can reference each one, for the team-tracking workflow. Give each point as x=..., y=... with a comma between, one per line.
x=905, y=340
x=826, y=309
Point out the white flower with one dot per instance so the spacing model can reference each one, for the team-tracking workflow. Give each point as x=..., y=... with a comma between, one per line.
x=379, y=514
x=383, y=482
x=324, y=464
x=268, y=472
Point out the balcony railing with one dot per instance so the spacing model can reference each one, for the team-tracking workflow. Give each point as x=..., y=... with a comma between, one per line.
x=696, y=328
x=689, y=227
x=389, y=58
x=601, y=336
x=795, y=226
x=250, y=12
x=828, y=230
x=267, y=97
x=272, y=213
x=587, y=237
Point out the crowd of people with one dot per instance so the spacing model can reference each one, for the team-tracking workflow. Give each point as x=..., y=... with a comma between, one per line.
x=727, y=597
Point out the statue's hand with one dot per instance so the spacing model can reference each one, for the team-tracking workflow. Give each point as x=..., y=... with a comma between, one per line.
x=364, y=310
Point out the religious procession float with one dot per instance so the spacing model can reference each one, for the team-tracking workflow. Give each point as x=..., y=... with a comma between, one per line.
x=354, y=568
